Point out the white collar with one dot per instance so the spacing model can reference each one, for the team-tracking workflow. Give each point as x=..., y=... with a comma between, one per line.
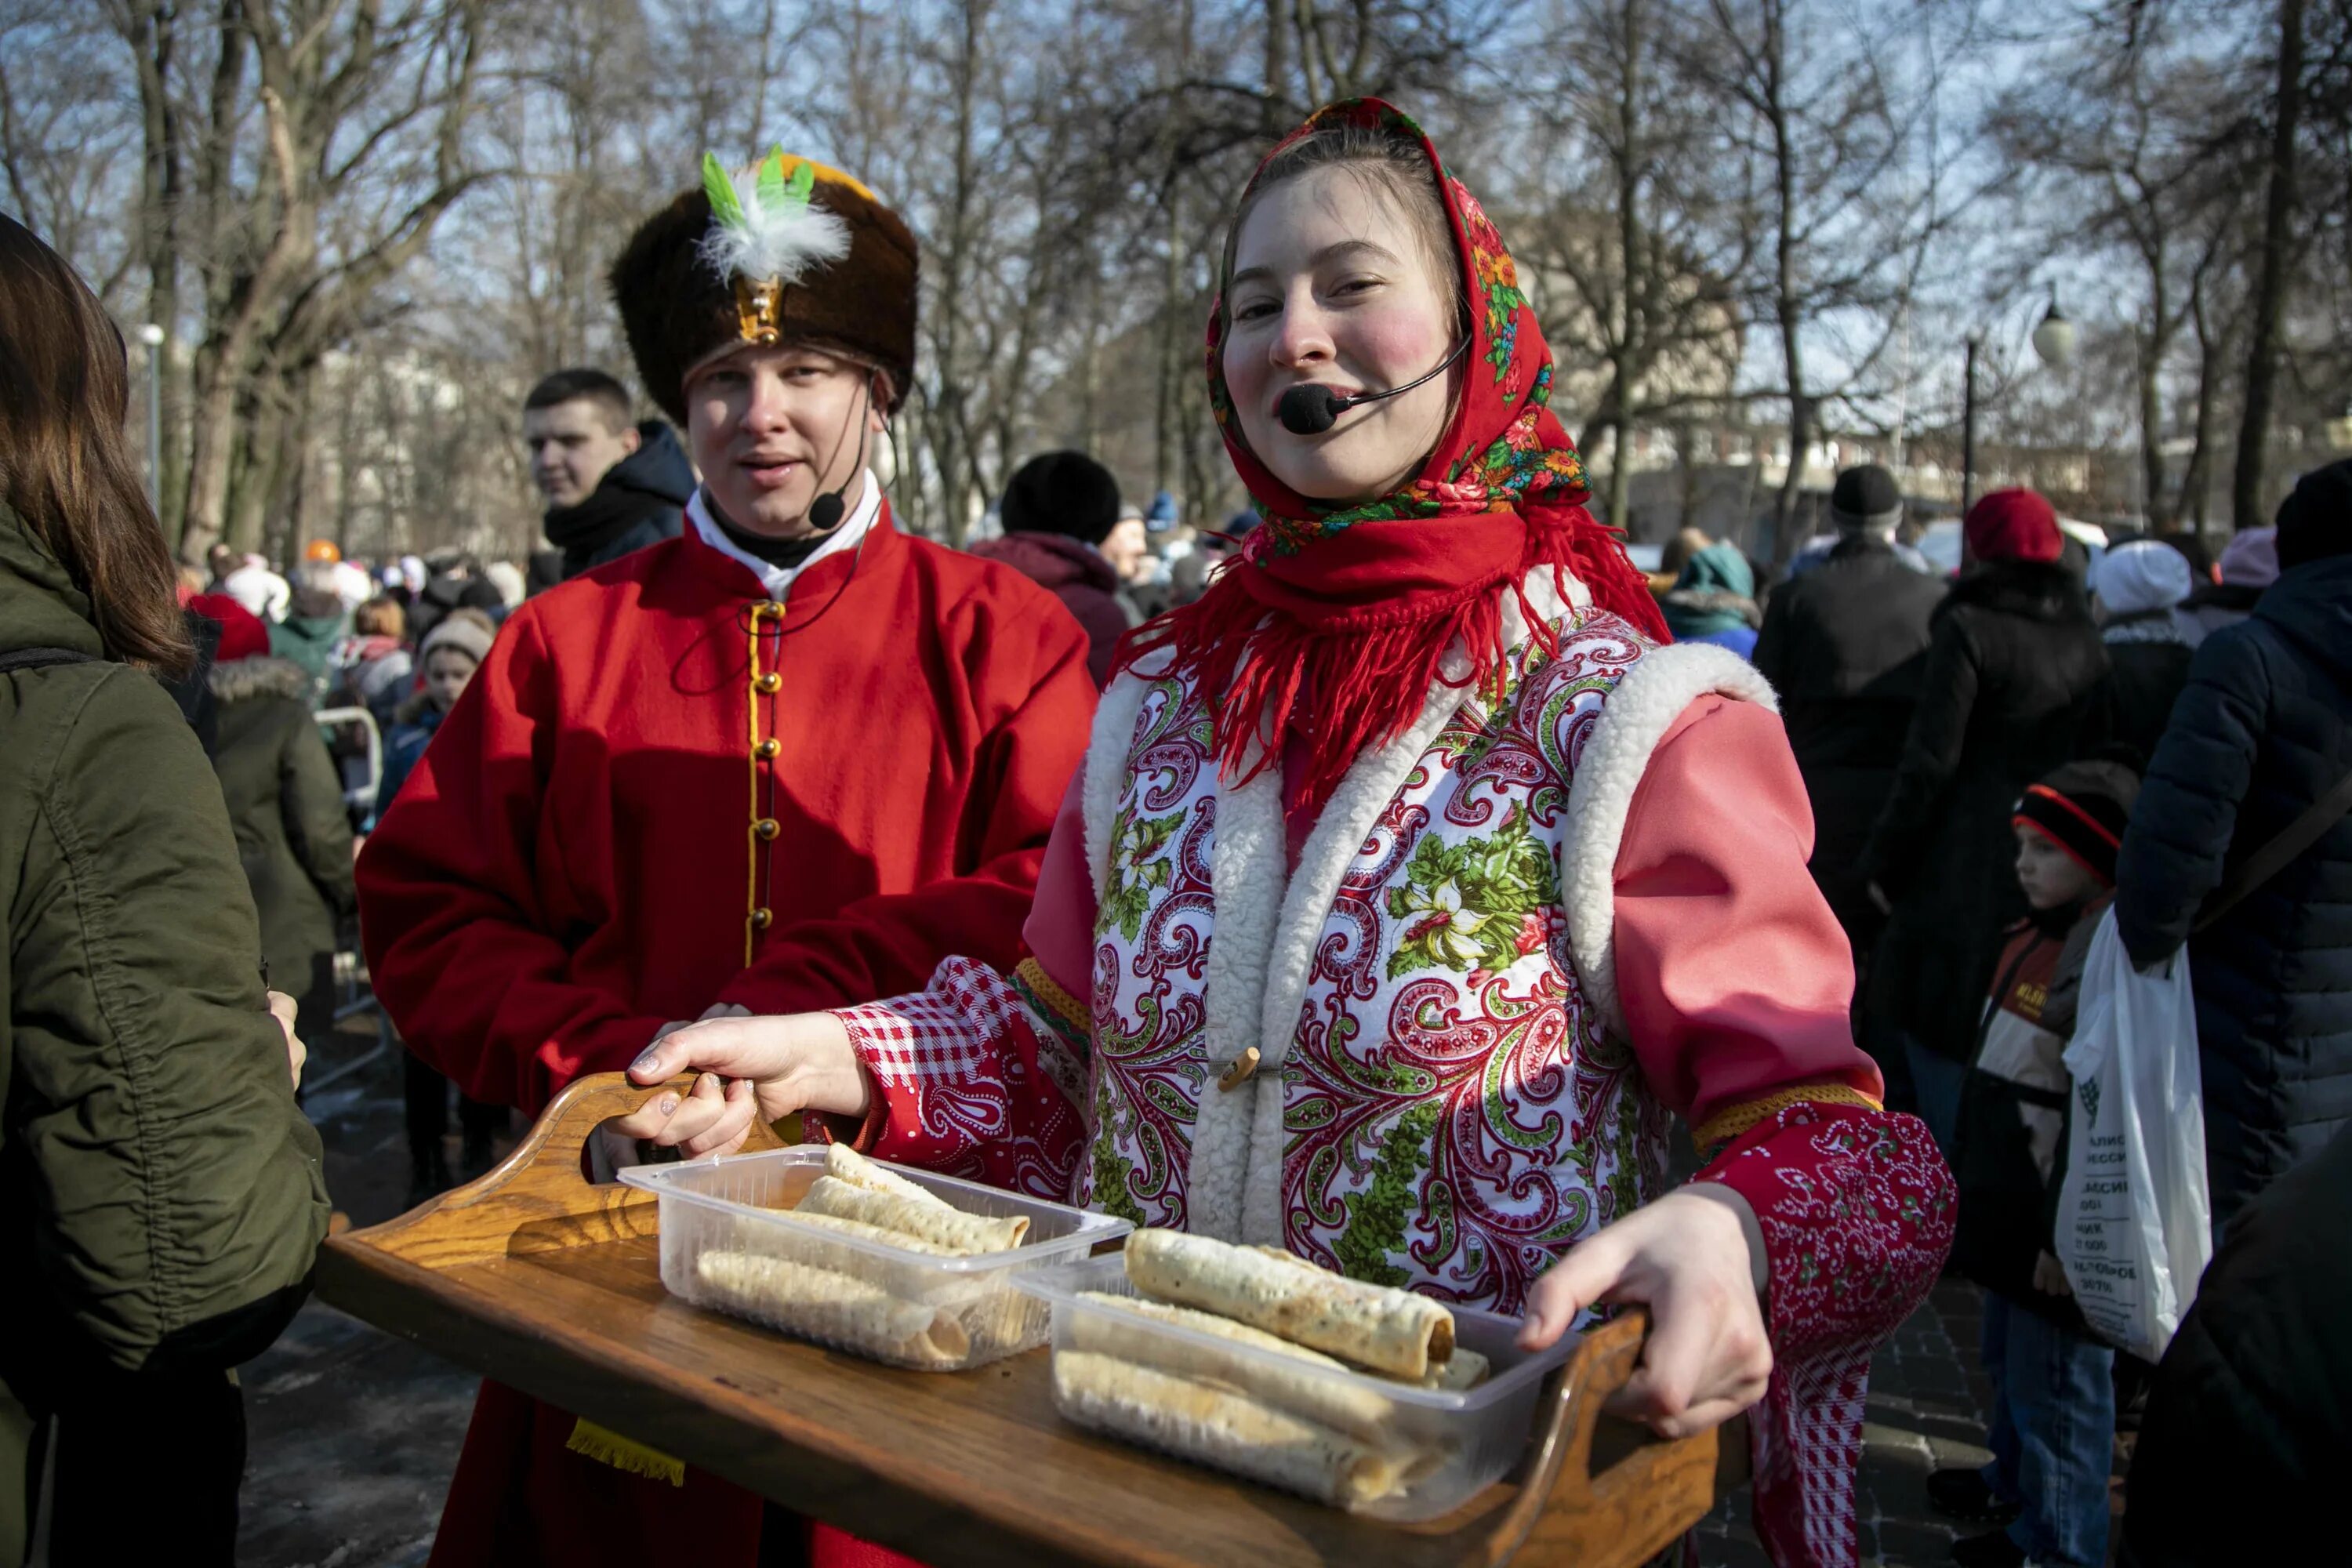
x=778, y=580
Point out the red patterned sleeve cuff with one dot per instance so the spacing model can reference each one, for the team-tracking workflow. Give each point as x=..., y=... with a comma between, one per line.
x=971, y=1080
x=1856, y=1206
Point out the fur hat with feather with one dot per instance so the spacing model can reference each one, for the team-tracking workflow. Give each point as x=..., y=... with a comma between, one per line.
x=784, y=252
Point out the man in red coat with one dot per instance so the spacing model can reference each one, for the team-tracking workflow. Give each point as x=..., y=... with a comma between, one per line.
x=788, y=761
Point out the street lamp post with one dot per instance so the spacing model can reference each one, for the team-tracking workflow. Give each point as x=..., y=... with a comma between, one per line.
x=152, y=336
x=2054, y=344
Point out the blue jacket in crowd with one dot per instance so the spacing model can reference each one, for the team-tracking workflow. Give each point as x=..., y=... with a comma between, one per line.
x=2263, y=730
x=402, y=750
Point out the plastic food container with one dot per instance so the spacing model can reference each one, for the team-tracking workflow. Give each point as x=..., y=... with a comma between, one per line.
x=1457, y=1444
x=730, y=1242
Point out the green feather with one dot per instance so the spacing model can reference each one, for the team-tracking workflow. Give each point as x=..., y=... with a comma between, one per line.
x=803, y=183
x=771, y=180
x=720, y=186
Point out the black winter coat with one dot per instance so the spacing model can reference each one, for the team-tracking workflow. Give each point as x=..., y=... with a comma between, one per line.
x=638, y=503
x=2262, y=731
x=2250, y=1417
x=2011, y=669
x=2134, y=702
x=1845, y=645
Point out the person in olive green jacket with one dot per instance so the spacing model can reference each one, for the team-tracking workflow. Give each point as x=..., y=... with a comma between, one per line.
x=160, y=1194
x=286, y=801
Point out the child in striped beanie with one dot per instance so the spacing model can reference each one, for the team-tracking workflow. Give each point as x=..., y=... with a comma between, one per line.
x=2053, y=1400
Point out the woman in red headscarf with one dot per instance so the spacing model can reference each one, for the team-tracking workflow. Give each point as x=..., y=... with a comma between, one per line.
x=1412, y=888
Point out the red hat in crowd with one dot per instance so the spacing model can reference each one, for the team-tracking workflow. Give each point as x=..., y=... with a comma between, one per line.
x=243, y=633
x=2013, y=525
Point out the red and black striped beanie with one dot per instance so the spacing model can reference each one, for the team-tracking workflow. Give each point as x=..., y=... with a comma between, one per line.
x=2082, y=808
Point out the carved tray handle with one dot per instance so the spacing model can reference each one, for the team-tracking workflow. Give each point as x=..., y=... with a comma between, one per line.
x=1645, y=1490
x=537, y=1198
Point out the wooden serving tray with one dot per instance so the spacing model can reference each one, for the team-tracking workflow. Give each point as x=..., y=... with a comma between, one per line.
x=535, y=1277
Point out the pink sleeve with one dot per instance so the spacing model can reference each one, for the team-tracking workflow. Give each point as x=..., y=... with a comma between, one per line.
x=1060, y=933
x=1735, y=978
x=1735, y=981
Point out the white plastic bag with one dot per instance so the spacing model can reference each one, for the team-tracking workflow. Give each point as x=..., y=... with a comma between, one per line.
x=2135, y=1221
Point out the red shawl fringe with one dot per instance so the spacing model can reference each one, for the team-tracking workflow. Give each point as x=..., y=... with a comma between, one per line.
x=1360, y=679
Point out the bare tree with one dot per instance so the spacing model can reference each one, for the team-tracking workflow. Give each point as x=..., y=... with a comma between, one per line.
x=1630, y=218
x=362, y=120
x=2281, y=200
x=2142, y=162
x=1830, y=124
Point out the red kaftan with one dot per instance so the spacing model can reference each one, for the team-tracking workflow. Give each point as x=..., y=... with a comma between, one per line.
x=623, y=800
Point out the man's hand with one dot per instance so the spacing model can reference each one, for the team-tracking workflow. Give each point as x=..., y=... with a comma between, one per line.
x=283, y=1008
x=801, y=1061
x=1685, y=1258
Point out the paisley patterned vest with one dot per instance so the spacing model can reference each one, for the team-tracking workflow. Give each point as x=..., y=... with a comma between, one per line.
x=1442, y=1097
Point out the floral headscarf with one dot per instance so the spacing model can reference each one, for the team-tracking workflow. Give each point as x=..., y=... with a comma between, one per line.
x=1349, y=610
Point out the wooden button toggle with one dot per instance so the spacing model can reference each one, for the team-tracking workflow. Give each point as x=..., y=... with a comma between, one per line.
x=1238, y=1072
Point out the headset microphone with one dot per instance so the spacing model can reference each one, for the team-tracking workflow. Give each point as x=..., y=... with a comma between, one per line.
x=826, y=513
x=1309, y=410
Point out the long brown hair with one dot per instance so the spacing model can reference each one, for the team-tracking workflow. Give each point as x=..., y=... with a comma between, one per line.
x=65, y=467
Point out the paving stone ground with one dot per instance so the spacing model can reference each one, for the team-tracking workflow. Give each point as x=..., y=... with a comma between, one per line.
x=354, y=1433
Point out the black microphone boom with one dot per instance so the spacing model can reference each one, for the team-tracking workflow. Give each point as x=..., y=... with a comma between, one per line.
x=824, y=512
x=1309, y=409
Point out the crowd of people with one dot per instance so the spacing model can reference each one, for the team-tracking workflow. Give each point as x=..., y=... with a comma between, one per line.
x=1382, y=877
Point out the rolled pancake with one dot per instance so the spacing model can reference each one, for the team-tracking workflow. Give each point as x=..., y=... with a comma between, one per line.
x=864, y=1232
x=1209, y=1323
x=1200, y=1421
x=931, y=1221
x=846, y=1165
x=1388, y=1330
x=824, y=1305
x=1462, y=1371
x=1341, y=1402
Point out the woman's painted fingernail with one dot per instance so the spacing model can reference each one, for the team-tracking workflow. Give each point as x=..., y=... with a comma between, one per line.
x=668, y=1104
x=646, y=1059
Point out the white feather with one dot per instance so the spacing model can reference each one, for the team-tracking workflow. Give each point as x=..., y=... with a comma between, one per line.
x=784, y=245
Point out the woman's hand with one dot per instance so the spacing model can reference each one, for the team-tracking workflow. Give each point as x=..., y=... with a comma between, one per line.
x=801, y=1061
x=1685, y=1258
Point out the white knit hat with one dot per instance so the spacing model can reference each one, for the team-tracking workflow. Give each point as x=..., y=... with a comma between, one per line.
x=261, y=591
x=2142, y=576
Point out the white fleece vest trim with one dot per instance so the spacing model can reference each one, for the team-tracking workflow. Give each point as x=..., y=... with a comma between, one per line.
x=1106, y=770
x=1331, y=846
x=1247, y=854
x=1639, y=712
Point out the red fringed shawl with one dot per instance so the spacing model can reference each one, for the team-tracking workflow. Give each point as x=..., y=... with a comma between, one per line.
x=1349, y=610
